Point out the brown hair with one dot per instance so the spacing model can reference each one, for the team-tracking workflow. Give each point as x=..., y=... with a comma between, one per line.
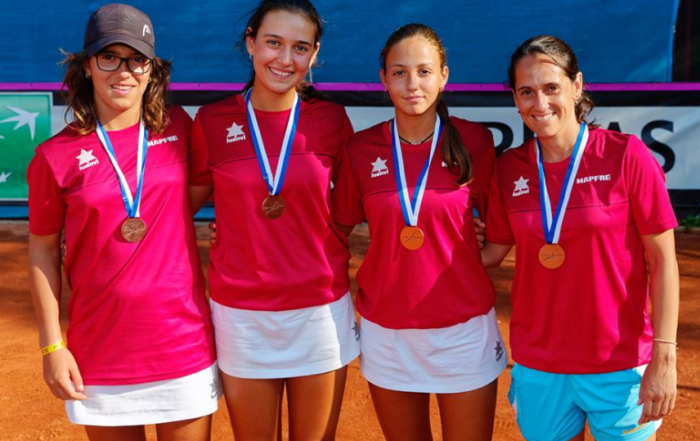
x=257, y=15
x=562, y=55
x=80, y=100
x=453, y=149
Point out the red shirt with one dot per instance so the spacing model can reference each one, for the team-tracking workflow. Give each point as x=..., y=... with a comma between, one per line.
x=443, y=283
x=589, y=315
x=137, y=311
x=300, y=259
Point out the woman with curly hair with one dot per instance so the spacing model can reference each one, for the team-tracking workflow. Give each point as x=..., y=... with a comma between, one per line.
x=139, y=345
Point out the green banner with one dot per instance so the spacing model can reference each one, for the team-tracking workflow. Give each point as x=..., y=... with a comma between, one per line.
x=25, y=122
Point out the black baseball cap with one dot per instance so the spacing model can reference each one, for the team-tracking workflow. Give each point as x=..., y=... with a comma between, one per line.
x=118, y=23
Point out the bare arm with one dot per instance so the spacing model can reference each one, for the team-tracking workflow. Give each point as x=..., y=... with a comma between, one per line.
x=658, y=389
x=492, y=254
x=45, y=287
x=198, y=196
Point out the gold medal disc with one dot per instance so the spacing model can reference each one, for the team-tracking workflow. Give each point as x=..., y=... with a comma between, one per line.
x=552, y=256
x=412, y=238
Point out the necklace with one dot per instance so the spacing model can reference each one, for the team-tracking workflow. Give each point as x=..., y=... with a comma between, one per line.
x=419, y=142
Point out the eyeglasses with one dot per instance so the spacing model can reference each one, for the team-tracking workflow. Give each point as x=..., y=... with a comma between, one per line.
x=137, y=64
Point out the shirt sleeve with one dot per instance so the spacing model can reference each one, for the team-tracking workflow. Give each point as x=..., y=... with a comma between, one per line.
x=197, y=162
x=646, y=190
x=182, y=119
x=483, y=172
x=346, y=200
x=498, y=228
x=347, y=131
x=47, y=207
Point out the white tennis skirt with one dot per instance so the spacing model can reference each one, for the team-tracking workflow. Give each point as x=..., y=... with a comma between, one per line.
x=285, y=344
x=460, y=358
x=193, y=396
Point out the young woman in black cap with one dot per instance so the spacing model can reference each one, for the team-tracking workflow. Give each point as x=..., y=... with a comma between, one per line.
x=140, y=345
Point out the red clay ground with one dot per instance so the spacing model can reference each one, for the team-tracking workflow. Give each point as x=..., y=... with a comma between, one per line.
x=29, y=412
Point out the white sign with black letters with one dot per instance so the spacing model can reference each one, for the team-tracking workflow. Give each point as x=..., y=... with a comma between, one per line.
x=672, y=133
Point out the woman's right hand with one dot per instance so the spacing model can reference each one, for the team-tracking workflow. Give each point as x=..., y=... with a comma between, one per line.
x=62, y=375
x=45, y=287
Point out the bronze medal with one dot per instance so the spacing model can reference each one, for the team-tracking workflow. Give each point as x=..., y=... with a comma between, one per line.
x=552, y=256
x=412, y=238
x=273, y=206
x=133, y=229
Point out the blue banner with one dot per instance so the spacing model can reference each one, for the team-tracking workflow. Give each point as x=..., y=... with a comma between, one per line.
x=616, y=41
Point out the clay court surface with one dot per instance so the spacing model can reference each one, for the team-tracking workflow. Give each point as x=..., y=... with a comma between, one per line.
x=28, y=411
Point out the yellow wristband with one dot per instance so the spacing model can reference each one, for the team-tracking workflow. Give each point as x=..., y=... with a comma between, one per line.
x=54, y=347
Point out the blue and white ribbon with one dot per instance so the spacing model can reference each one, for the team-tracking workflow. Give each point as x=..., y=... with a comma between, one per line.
x=274, y=182
x=132, y=202
x=552, y=226
x=411, y=210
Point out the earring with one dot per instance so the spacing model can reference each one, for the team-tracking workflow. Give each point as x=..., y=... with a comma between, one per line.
x=250, y=57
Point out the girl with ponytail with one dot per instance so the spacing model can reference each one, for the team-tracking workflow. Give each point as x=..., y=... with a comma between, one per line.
x=428, y=323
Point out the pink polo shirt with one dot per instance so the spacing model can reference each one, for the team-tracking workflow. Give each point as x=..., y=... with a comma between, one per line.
x=589, y=315
x=137, y=311
x=300, y=259
x=443, y=283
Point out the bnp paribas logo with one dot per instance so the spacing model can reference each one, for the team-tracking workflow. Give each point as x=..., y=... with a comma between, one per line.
x=25, y=122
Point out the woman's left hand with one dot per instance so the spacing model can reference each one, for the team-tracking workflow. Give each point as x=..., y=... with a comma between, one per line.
x=658, y=389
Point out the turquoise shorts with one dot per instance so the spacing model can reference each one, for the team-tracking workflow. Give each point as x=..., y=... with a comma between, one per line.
x=555, y=407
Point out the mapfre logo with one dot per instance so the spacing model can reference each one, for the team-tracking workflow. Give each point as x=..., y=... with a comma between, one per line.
x=521, y=187
x=379, y=168
x=169, y=139
x=235, y=133
x=599, y=178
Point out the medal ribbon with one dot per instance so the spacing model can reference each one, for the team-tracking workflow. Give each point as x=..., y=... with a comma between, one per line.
x=274, y=182
x=552, y=226
x=410, y=210
x=132, y=203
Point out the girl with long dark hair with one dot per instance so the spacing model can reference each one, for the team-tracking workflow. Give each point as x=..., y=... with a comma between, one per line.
x=279, y=269
x=428, y=323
